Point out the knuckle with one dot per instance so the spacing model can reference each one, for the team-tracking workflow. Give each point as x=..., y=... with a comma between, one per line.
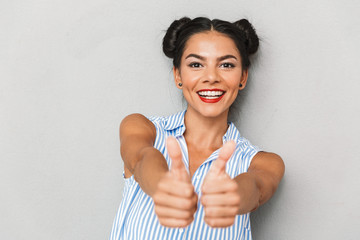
x=204, y=200
x=188, y=191
x=188, y=204
x=157, y=211
x=212, y=222
x=204, y=203
x=231, y=221
x=191, y=219
x=188, y=214
x=207, y=221
x=162, y=222
x=155, y=197
x=195, y=198
x=204, y=187
x=158, y=198
x=184, y=223
x=209, y=212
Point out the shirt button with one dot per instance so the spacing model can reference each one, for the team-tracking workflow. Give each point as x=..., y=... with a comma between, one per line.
x=198, y=177
x=181, y=230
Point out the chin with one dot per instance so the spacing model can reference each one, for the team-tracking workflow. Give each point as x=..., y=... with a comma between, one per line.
x=213, y=113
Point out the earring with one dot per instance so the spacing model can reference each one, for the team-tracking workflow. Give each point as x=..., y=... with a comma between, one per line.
x=180, y=84
x=240, y=85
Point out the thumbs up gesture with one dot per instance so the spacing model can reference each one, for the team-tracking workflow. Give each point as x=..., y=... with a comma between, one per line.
x=220, y=193
x=175, y=200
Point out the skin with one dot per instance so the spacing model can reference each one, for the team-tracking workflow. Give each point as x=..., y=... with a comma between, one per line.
x=210, y=60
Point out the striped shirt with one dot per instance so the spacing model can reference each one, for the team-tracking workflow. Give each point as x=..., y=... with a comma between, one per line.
x=136, y=218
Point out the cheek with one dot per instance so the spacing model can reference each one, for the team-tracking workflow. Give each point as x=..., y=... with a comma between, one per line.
x=188, y=78
x=234, y=81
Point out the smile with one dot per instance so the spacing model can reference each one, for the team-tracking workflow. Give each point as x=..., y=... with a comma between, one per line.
x=211, y=95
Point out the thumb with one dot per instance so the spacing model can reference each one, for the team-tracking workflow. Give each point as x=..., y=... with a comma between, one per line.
x=177, y=165
x=226, y=151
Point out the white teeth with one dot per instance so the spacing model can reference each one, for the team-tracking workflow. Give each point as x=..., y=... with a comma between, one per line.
x=210, y=94
x=210, y=97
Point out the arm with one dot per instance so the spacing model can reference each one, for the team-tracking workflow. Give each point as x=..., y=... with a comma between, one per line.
x=224, y=198
x=259, y=184
x=141, y=159
x=172, y=192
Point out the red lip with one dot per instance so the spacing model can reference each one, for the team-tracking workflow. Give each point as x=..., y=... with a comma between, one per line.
x=215, y=100
x=211, y=100
x=214, y=89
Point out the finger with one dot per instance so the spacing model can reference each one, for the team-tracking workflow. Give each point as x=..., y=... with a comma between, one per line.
x=210, y=200
x=174, y=150
x=221, y=212
x=175, y=223
x=227, y=150
x=218, y=166
x=167, y=200
x=219, y=185
x=219, y=222
x=167, y=212
x=173, y=187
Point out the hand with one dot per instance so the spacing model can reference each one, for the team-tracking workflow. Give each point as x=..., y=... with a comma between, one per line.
x=175, y=200
x=220, y=194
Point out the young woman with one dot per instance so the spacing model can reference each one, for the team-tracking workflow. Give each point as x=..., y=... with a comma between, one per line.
x=192, y=175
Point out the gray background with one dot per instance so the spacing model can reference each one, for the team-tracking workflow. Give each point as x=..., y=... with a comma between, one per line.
x=71, y=70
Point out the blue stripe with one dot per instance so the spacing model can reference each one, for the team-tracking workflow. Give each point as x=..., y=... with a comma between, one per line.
x=136, y=219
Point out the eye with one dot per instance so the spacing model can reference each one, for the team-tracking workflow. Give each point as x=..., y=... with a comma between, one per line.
x=227, y=65
x=195, y=65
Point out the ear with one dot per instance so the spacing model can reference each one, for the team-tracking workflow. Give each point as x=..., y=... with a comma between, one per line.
x=177, y=77
x=243, y=80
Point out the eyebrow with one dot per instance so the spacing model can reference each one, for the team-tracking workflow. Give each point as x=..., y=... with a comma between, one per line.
x=226, y=57
x=195, y=56
x=203, y=58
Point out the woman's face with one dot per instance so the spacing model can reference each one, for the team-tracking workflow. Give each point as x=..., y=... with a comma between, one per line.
x=210, y=73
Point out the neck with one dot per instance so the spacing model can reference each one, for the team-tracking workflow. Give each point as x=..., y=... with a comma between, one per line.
x=205, y=132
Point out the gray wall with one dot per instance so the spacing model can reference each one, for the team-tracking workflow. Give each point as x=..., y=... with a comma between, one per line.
x=71, y=70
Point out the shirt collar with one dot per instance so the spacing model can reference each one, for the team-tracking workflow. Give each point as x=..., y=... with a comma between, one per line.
x=231, y=133
x=176, y=123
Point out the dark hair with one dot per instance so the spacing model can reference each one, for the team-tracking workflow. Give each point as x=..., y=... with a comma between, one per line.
x=241, y=32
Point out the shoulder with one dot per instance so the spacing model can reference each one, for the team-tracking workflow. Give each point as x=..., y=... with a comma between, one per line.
x=136, y=123
x=269, y=160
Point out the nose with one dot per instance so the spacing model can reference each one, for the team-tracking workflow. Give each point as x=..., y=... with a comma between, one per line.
x=211, y=75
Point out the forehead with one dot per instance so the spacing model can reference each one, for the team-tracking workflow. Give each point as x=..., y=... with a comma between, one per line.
x=209, y=43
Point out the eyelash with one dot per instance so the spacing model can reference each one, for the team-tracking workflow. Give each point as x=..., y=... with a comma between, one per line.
x=192, y=65
x=229, y=65
x=224, y=65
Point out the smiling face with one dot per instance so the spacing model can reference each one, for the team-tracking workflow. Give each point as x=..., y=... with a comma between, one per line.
x=210, y=73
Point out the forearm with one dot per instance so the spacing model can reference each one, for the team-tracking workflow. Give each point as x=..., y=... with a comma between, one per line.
x=149, y=169
x=249, y=192
x=259, y=184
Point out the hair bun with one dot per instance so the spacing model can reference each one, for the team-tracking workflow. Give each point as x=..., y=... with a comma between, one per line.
x=251, y=39
x=169, y=41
